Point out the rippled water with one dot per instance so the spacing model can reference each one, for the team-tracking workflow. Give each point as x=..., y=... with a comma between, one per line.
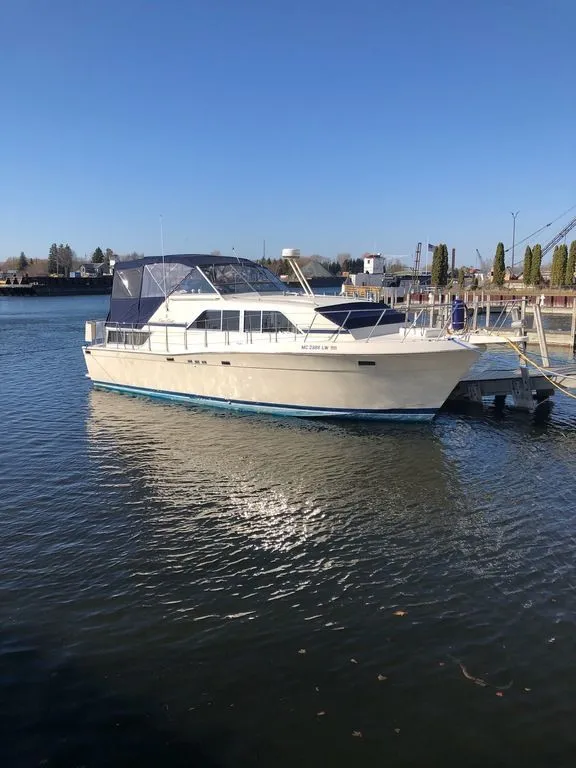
x=165, y=568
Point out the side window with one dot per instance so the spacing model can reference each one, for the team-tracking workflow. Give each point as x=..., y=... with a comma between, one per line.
x=276, y=321
x=210, y=319
x=252, y=320
x=230, y=320
x=127, y=283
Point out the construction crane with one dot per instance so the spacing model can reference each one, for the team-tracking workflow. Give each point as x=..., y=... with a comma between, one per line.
x=560, y=236
x=416, y=268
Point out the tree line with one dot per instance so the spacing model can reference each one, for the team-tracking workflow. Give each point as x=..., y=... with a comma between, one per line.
x=61, y=258
x=562, y=273
x=563, y=265
x=282, y=266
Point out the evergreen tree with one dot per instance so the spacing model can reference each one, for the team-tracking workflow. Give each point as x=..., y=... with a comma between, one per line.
x=527, y=272
x=499, y=269
x=65, y=258
x=536, y=277
x=53, y=265
x=461, y=277
x=562, y=263
x=554, y=271
x=440, y=265
x=98, y=256
x=436, y=265
x=570, y=265
x=22, y=261
x=559, y=264
x=445, y=264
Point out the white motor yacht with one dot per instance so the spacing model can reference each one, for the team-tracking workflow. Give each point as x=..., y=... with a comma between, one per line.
x=224, y=331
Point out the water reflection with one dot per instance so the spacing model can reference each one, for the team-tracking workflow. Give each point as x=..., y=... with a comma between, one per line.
x=277, y=481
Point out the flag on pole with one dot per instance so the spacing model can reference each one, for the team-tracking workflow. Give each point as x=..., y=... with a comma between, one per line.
x=431, y=247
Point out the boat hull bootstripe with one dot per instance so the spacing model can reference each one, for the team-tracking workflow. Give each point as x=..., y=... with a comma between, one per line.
x=277, y=409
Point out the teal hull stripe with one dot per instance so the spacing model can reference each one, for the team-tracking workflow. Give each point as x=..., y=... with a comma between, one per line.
x=277, y=409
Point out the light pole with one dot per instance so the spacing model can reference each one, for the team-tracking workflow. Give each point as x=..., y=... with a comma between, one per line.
x=513, y=240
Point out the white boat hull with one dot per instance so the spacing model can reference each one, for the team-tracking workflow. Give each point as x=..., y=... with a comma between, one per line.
x=411, y=383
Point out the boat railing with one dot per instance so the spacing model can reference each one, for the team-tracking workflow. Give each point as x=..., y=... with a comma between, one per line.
x=180, y=337
x=164, y=337
x=435, y=321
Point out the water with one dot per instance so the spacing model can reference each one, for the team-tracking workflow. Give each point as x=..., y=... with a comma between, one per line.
x=163, y=568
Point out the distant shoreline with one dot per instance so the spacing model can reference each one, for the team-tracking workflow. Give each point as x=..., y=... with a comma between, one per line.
x=60, y=286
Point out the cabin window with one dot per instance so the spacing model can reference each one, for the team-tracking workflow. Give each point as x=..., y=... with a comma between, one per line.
x=128, y=337
x=215, y=320
x=230, y=320
x=210, y=319
x=267, y=322
x=252, y=321
x=276, y=321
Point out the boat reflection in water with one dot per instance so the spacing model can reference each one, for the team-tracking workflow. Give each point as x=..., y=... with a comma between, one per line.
x=277, y=482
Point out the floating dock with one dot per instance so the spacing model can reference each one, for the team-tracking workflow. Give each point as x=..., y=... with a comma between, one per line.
x=526, y=390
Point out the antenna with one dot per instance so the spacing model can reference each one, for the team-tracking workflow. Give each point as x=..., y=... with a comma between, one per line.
x=163, y=262
x=235, y=255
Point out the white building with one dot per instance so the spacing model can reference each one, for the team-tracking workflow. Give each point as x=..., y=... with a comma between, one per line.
x=374, y=264
x=364, y=278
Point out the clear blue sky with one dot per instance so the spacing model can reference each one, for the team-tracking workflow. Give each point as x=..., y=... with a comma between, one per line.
x=324, y=125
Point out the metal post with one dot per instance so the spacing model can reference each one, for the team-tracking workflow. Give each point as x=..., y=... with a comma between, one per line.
x=523, y=324
x=513, y=240
x=573, y=329
x=541, y=336
x=376, y=324
x=487, y=323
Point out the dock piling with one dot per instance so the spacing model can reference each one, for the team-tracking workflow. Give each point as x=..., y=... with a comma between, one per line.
x=541, y=336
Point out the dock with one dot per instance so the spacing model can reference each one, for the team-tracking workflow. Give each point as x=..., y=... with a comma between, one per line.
x=524, y=389
x=482, y=306
x=525, y=386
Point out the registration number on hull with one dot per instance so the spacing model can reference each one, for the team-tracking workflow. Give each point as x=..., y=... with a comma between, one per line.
x=318, y=347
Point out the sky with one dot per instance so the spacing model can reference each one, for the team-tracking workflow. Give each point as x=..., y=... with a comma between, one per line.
x=327, y=126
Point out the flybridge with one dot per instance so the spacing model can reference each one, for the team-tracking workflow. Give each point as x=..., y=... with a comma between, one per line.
x=142, y=285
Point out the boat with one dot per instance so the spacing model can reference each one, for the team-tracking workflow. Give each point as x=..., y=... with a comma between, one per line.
x=226, y=332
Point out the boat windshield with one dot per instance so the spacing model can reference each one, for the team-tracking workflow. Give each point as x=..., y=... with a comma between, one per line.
x=242, y=278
